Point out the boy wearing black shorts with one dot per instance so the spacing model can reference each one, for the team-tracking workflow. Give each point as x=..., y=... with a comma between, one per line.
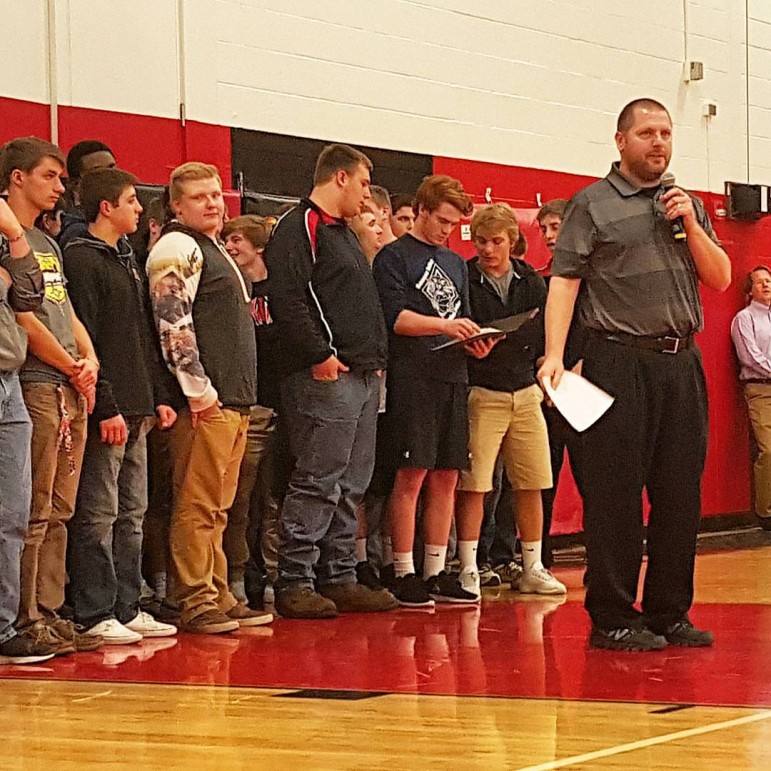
x=424, y=293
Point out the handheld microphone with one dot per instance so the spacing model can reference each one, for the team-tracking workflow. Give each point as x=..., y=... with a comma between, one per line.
x=678, y=228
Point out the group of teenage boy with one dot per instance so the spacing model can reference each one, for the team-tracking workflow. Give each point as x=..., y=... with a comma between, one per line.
x=354, y=327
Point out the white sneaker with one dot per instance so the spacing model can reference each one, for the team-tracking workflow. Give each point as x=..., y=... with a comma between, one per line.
x=114, y=633
x=470, y=582
x=144, y=624
x=540, y=581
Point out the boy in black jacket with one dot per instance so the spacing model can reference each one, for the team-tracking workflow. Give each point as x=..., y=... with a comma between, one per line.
x=111, y=299
x=331, y=329
x=505, y=401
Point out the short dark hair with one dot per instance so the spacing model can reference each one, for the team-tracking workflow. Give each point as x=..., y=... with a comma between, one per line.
x=555, y=206
x=24, y=154
x=748, y=278
x=441, y=188
x=626, y=116
x=79, y=151
x=380, y=196
x=102, y=185
x=158, y=210
x=337, y=157
x=400, y=200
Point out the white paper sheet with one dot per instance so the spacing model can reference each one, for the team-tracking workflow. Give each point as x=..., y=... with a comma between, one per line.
x=581, y=403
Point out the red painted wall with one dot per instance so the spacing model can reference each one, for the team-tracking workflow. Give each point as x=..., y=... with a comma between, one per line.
x=147, y=146
x=726, y=485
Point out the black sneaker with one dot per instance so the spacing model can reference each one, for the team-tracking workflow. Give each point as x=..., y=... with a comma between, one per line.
x=23, y=650
x=387, y=575
x=626, y=639
x=446, y=588
x=410, y=592
x=684, y=633
x=367, y=576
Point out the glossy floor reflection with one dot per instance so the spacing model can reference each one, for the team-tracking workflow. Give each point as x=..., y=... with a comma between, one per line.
x=512, y=646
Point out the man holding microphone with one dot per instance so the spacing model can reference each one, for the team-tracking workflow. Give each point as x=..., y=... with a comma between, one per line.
x=640, y=305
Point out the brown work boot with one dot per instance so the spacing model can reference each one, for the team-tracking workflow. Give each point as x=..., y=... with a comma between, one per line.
x=357, y=598
x=41, y=634
x=248, y=617
x=210, y=622
x=302, y=602
x=82, y=639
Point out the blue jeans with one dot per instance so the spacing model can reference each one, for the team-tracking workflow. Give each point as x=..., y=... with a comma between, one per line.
x=332, y=428
x=105, y=533
x=15, y=496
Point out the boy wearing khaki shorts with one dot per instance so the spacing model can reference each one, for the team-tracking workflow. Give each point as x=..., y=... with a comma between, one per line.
x=504, y=402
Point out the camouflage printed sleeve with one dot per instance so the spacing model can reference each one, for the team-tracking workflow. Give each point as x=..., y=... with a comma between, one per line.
x=174, y=271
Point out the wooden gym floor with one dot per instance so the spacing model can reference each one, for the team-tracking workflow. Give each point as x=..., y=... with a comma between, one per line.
x=509, y=686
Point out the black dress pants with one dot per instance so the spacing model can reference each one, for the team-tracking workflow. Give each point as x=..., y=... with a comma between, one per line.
x=562, y=436
x=654, y=436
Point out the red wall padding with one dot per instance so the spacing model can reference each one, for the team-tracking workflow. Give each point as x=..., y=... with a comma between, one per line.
x=147, y=146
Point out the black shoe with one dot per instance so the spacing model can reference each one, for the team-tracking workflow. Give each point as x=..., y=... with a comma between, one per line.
x=388, y=576
x=367, y=576
x=626, y=639
x=168, y=614
x=410, y=592
x=24, y=650
x=764, y=522
x=684, y=633
x=446, y=588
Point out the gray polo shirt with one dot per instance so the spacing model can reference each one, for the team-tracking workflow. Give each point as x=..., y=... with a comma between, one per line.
x=637, y=278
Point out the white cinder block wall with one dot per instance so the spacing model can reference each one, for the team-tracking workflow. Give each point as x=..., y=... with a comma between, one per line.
x=533, y=83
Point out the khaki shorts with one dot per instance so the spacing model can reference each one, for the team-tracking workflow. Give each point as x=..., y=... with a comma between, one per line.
x=512, y=424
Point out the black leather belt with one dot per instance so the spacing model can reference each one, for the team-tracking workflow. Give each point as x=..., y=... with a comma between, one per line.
x=757, y=380
x=659, y=344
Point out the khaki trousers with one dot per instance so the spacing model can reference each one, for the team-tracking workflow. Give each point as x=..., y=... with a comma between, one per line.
x=55, y=476
x=758, y=397
x=205, y=463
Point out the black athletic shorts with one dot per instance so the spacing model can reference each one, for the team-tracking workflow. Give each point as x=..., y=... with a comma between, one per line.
x=426, y=424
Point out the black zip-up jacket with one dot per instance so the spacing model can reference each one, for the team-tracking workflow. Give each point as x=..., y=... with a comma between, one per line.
x=74, y=226
x=510, y=366
x=110, y=298
x=323, y=297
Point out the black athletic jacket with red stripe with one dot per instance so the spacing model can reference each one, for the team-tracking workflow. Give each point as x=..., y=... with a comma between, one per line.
x=323, y=297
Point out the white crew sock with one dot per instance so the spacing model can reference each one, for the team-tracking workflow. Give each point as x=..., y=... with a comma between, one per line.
x=403, y=563
x=388, y=550
x=467, y=553
x=531, y=555
x=361, y=549
x=434, y=560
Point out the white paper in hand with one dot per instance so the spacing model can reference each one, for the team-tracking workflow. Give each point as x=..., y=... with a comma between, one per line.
x=581, y=403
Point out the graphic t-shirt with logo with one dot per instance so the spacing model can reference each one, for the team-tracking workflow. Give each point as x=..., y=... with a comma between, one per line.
x=55, y=311
x=432, y=281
